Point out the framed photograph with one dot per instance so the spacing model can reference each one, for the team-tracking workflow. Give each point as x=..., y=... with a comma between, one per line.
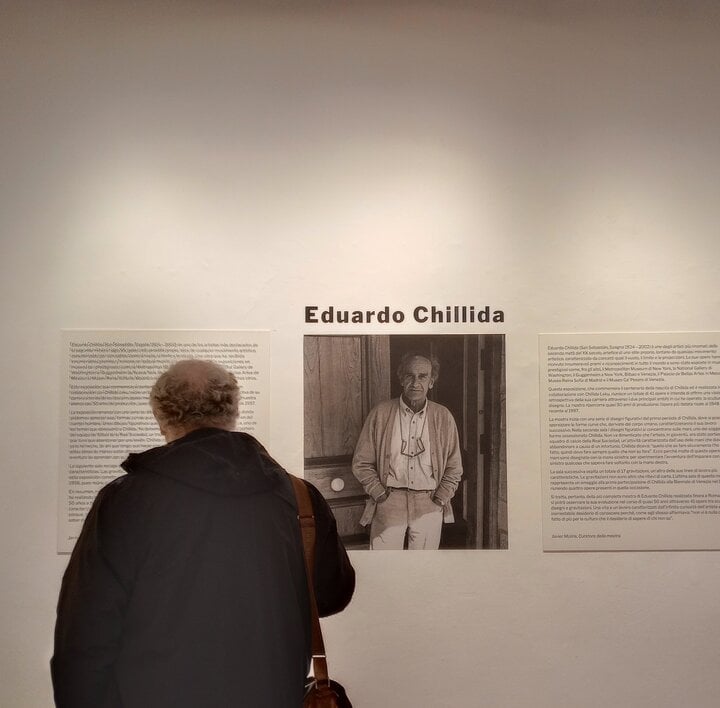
x=353, y=388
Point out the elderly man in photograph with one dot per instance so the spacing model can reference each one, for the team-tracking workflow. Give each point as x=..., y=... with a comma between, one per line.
x=408, y=460
x=187, y=585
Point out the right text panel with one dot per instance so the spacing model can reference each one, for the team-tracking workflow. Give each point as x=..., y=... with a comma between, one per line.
x=630, y=441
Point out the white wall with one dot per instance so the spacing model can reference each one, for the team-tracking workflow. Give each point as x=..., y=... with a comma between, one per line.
x=201, y=165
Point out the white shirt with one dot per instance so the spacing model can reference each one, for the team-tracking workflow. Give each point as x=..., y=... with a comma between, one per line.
x=410, y=461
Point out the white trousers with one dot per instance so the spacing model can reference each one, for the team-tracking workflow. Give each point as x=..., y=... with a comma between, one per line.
x=406, y=511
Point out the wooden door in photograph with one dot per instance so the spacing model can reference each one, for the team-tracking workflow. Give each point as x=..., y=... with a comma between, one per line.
x=344, y=377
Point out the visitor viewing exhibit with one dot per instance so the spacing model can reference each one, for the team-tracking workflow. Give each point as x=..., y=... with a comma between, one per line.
x=491, y=225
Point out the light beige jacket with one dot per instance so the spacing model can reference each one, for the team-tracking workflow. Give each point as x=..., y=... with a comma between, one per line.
x=372, y=454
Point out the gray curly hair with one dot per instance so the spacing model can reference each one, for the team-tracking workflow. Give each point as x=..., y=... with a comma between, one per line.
x=409, y=356
x=195, y=393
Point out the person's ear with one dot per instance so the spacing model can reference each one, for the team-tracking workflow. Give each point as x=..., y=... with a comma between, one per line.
x=163, y=429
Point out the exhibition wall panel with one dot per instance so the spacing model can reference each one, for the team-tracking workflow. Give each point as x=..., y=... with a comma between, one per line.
x=481, y=171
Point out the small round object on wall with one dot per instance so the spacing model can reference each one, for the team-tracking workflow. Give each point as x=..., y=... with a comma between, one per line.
x=337, y=485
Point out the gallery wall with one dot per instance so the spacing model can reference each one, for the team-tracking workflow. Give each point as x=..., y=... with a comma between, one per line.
x=222, y=165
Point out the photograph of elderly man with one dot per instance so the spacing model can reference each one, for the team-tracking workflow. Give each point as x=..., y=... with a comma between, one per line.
x=408, y=461
x=405, y=438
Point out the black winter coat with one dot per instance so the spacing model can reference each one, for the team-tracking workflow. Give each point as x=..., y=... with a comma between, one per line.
x=187, y=587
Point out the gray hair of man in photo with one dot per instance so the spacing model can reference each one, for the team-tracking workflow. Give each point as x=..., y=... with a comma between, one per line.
x=409, y=356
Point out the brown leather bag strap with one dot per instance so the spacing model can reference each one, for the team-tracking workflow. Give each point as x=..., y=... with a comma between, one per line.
x=307, y=530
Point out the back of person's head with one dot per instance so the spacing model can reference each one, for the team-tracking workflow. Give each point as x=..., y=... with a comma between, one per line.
x=194, y=393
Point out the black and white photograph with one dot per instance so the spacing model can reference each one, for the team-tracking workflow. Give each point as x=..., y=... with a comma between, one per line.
x=404, y=435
